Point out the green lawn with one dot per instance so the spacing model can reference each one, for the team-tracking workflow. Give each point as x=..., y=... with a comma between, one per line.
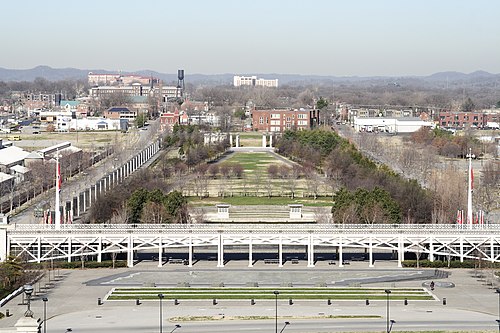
x=267, y=293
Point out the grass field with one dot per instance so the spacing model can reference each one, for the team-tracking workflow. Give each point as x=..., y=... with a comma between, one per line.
x=268, y=293
x=255, y=182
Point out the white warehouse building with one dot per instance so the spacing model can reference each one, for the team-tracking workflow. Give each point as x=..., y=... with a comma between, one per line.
x=91, y=124
x=254, y=81
x=389, y=125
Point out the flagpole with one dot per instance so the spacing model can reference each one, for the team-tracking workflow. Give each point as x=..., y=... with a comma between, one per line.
x=469, y=190
x=58, y=189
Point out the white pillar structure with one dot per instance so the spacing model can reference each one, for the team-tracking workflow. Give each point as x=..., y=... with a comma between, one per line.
x=341, y=257
x=230, y=140
x=271, y=140
x=70, y=249
x=280, y=252
x=160, y=252
x=400, y=252
x=237, y=140
x=130, y=252
x=99, y=250
x=461, y=248
x=220, y=251
x=469, y=190
x=250, y=252
x=310, y=251
x=370, y=252
x=264, y=143
x=190, y=252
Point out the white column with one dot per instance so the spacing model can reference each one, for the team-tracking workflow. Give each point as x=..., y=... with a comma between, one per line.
x=237, y=140
x=220, y=252
x=310, y=252
x=230, y=140
x=84, y=201
x=280, y=252
x=271, y=140
x=78, y=204
x=461, y=248
x=341, y=257
x=39, y=248
x=264, y=140
x=190, y=259
x=250, y=252
x=431, y=249
x=160, y=252
x=99, y=250
x=492, y=251
x=70, y=250
x=130, y=252
x=400, y=252
x=370, y=251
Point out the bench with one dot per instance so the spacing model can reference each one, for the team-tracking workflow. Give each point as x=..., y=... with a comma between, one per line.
x=177, y=261
x=332, y=262
x=295, y=261
x=271, y=261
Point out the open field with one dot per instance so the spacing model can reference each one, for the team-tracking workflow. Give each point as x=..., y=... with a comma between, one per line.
x=256, y=182
x=84, y=140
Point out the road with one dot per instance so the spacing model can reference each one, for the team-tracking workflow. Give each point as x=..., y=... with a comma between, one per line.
x=138, y=140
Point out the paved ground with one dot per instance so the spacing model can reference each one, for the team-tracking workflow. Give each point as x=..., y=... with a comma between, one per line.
x=471, y=305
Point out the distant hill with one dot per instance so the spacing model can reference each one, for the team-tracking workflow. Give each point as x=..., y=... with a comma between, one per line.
x=55, y=74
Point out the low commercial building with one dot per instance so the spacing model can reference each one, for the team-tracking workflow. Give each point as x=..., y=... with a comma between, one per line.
x=389, y=125
x=93, y=124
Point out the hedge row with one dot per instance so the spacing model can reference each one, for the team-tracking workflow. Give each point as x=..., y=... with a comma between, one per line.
x=78, y=264
x=452, y=264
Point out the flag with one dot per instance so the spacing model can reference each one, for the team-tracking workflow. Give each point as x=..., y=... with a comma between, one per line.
x=58, y=177
x=471, y=178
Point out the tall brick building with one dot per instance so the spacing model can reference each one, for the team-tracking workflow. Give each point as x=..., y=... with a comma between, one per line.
x=279, y=120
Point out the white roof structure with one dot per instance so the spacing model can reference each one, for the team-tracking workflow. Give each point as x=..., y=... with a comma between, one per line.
x=20, y=169
x=53, y=149
x=12, y=155
x=4, y=177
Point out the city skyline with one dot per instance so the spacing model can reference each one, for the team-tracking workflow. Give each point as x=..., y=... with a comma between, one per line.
x=359, y=38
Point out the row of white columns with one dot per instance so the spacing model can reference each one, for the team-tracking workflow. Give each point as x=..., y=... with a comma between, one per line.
x=128, y=247
x=81, y=202
x=310, y=252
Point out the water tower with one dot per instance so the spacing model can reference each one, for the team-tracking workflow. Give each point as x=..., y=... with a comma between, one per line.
x=180, y=83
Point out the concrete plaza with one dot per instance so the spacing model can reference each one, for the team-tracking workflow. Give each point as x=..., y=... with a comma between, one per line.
x=470, y=306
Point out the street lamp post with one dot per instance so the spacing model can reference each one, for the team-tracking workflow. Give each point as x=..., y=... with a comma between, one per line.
x=175, y=327
x=388, y=292
x=276, y=293
x=28, y=291
x=286, y=324
x=45, y=299
x=160, y=296
x=498, y=320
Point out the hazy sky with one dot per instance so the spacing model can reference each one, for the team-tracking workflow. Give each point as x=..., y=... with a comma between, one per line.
x=330, y=37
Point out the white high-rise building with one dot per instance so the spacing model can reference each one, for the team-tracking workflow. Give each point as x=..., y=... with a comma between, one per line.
x=254, y=82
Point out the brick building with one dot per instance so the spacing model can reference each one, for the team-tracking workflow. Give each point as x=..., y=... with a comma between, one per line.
x=279, y=120
x=463, y=119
